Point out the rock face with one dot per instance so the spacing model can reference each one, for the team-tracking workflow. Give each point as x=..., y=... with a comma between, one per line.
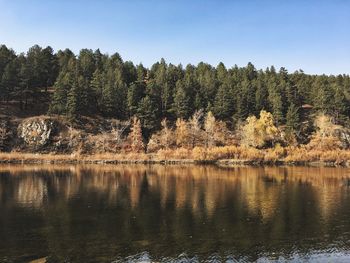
x=36, y=132
x=344, y=137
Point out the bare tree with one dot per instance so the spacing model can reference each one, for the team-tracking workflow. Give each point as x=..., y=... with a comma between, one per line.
x=118, y=129
x=195, y=128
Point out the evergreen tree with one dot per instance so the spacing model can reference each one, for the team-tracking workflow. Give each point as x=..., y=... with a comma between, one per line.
x=223, y=105
x=261, y=94
x=339, y=106
x=9, y=80
x=292, y=118
x=141, y=73
x=275, y=100
x=136, y=92
x=87, y=63
x=59, y=97
x=72, y=106
x=182, y=101
x=322, y=94
x=6, y=56
x=63, y=57
x=97, y=84
x=109, y=95
x=147, y=114
x=121, y=95
x=50, y=67
x=130, y=73
x=208, y=84
x=221, y=73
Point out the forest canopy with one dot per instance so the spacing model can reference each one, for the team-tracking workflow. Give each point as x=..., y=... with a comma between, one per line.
x=92, y=83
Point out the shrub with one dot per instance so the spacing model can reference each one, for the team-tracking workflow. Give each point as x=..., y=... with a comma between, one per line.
x=259, y=133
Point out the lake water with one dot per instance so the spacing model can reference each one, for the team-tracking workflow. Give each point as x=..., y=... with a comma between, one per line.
x=160, y=213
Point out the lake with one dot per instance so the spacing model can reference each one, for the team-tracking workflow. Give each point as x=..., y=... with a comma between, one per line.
x=140, y=213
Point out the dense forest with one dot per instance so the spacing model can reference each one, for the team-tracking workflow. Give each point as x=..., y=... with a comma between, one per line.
x=96, y=84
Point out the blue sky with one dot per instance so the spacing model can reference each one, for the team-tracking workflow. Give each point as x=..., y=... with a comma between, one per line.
x=300, y=34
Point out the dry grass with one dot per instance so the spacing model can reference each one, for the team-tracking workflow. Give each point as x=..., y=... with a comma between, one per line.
x=301, y=155
x=69, y=158
x=17, y=156
x=293, y=155
x=305, y=155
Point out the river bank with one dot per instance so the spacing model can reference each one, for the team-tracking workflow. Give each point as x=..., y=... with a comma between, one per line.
x=143, y=158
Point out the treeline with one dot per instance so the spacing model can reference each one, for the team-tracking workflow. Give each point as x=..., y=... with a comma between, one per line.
x=93, y=83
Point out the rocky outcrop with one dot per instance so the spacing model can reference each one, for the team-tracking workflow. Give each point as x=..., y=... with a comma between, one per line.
x=344, y=136
x=36, y=132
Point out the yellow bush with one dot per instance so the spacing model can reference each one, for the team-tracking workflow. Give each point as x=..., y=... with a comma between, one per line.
x=252, y=154
x=224, y=152
x=259, y=132
x=275, y=154
x=199, y=154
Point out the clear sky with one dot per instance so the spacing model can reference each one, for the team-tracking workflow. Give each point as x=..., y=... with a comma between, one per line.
x=300, y=34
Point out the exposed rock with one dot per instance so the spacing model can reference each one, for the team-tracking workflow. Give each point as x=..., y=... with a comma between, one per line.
x=344, y=136
x=36, y=132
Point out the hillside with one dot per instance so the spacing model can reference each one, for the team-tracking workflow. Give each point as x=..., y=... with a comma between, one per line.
x=94, y=103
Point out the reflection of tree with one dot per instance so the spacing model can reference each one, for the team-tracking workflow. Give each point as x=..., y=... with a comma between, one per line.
x=30, y=190
x=102, y=211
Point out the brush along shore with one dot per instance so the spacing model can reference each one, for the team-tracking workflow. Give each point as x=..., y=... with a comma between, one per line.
x=226, y=155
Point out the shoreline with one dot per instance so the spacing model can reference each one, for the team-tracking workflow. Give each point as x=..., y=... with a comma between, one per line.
x=29, y=158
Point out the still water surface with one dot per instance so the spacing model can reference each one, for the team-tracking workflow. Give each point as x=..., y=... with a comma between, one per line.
x=174, y=214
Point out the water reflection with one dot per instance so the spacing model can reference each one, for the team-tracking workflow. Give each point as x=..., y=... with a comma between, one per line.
x=118, y=213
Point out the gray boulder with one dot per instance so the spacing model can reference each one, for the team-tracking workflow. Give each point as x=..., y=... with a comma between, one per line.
x=36, y=132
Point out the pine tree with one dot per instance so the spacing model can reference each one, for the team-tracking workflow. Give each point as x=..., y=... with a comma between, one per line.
x=87, y=63
x=208, y=84
x=72, y=107
x=109, y=95
x=275, y=100
x=223, y=104
x=322, y=94
x=24, y=77
x=141, y=73
x=136, y=92
x=249, y=92
x=292, y=118
x=221, y=72
x=129, y=73
x=6, y=56
x=96, y=85
x=147, y=114
x=9, y=80
x=261, y=95
x=121, y=93
x=59, y=97
x=50, y=67
x=182, y=101
x=339, y=104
